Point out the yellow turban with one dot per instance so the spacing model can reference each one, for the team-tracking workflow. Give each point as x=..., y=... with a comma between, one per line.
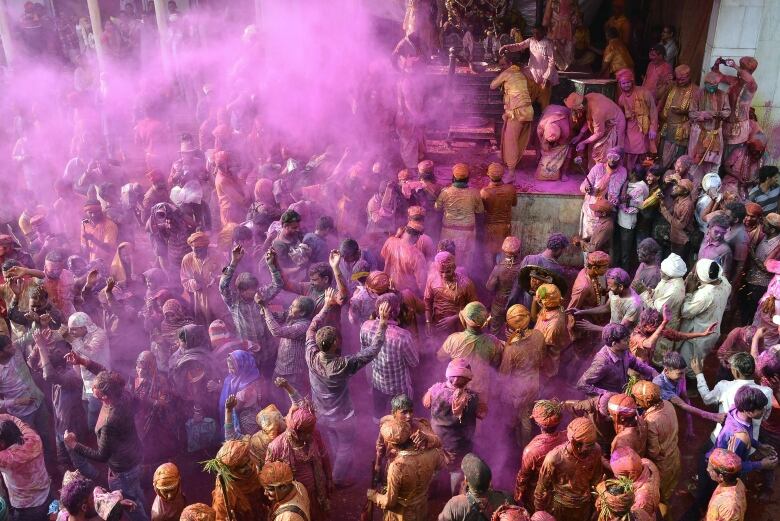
x=518, y=317
x=582, y=430
x=198, y=240
x=549, y=295
x=166, y=476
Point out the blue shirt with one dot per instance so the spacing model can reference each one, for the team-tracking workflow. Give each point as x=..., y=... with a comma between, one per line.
x=731, y=426
x=668, y=387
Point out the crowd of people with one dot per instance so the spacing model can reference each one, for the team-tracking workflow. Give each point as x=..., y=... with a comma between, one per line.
x=265, y=303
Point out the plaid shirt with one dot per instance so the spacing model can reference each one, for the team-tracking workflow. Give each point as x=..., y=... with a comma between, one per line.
x=329, y=374
x=291, y=355
x=391, y=369
x=247, y=318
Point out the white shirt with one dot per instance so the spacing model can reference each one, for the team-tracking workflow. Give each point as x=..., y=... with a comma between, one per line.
x=723, y=394
x=702, y=308
x=542, y=60
x=637, y=193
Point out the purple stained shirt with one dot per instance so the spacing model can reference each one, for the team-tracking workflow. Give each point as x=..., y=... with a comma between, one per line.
x=609, y=372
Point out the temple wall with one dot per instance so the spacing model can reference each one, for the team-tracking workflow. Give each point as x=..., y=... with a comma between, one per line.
x=749, y=28
x=537, y=215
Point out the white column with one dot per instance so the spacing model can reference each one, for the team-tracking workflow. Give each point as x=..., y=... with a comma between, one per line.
x=5, y=34
x=161, y=13
x=258, y=12
x=97, y=32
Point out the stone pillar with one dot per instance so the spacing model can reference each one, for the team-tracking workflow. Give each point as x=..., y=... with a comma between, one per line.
x=735, y=27
x=97, y=31
x=161, y=13
x=258, y=12
x=5, y=34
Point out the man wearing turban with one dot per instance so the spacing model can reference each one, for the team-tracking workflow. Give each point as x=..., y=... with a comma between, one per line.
x=405, y=263
x=455, y=409
x=99, y=234
x=680, y=216
x=710, y=107
x=568, y=474
x=523, y=363
x=669, y=293
x=729, y=501
x=626, y=463
x=520, y=90
x=662, y=429
x=498, y=198
x=673, y=112
x=478, y=497
x=547, y=414
x=237, y=491
x=302, y=448
x=447, y=291
x=460, y=205
x=200, y=273
x=502, y=280
x=707, y=295
x=481, y=349
x=638, y=105
x=232, y=200
x=742, y=89
x=603, y=185
x=615, y=500
x=554, y=133
x=551, y=322
x=362, y=304
x=588, y=291
x=169, y=500
x=604, y=125
x=289, y=499
x=630, y=430
x=409, y=475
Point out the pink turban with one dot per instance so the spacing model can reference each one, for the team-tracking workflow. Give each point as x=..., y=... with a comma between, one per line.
x=301, y=420
x=624, y=74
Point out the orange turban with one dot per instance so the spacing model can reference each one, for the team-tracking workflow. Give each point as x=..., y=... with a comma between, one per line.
x=598, y=258
x=198, y=512
x=198, y=240
x=549, y=295
x=574, y=101
x=404, y=175
x=518, y=317
x=547, y=413
x=725, y=462
x=711, y=77
x=582, y=430
x=234, y=453
x=460, y=171
x=646, y=393
x=395, y=432
x=621, y=405
x=626, y=462
x=511, y=245
x=276, y=473
x=624, y=74
x=166, y=476
x=495, y=171
x=378, y=282
x=753, y=209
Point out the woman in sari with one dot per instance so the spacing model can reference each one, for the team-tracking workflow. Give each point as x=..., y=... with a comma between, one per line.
x=243, y=381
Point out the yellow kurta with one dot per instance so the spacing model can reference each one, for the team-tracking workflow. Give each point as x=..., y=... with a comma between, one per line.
x=408, y=478
x=200, y=279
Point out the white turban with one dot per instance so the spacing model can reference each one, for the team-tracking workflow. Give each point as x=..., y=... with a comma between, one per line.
x=673, y=266
x=79, y=319
x=710, y=181
x=703, y=270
